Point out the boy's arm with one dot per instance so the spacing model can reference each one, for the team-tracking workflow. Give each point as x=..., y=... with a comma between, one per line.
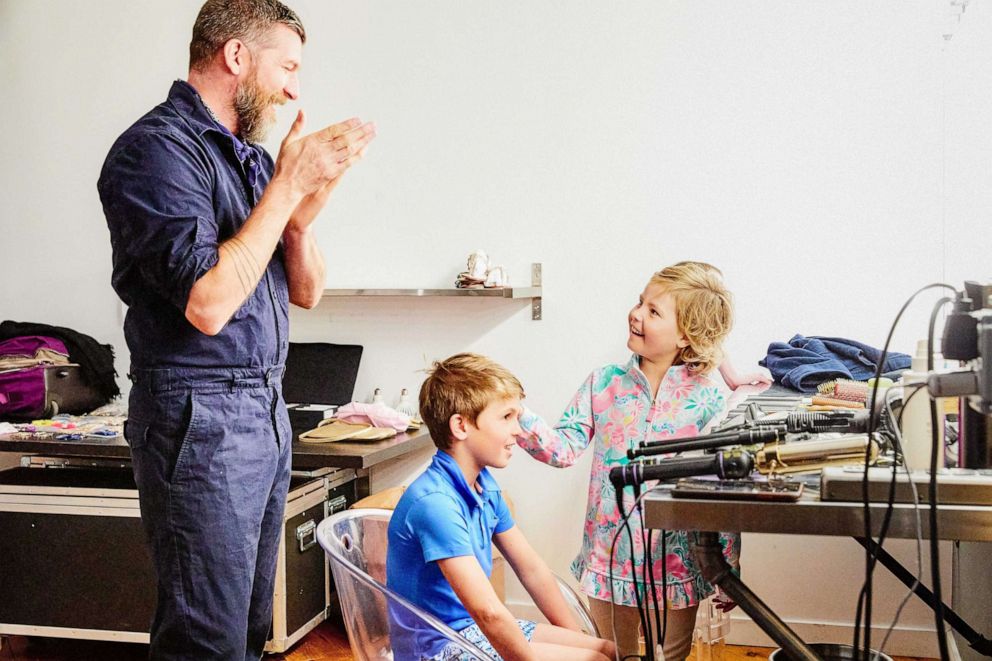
x=562, y=445
x=536, y=577
x=465, y=575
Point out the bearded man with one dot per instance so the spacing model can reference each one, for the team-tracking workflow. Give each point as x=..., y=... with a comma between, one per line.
x=212, y=240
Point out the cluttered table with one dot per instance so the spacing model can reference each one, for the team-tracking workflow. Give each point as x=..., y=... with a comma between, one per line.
x=811, y=515
x=963, y=520
x=340, y=454
x=97, y=437
x=829, y=504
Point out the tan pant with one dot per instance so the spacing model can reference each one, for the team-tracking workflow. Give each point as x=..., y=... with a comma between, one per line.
x=678, y=638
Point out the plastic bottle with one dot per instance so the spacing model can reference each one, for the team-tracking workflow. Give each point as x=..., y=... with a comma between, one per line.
x=917, y=435
x=709, y=639
x=406, y=405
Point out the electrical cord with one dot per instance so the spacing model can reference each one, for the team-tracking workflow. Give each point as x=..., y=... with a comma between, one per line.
x=646, y=571
x=625, y=523
x=891, y=495
x=869, y=559
x=664, y=587
x=649, y=561
x=633, y=569
x=897, y=440
x=936, y=451
x=613, y=544
x=890, y=500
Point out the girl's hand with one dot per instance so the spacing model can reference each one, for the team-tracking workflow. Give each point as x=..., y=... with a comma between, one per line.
x=750, y=379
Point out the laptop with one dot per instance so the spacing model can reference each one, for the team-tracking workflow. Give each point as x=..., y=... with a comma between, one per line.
x=319, y=378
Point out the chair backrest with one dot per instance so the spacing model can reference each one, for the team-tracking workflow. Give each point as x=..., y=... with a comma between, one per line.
x=380, y=623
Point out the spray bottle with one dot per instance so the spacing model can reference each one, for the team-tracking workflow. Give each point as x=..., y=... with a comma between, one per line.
x=917, y=434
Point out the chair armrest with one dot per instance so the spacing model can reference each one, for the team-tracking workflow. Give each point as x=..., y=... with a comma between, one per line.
x=578, y=606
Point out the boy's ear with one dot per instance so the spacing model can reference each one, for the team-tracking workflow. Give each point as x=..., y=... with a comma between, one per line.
x=682, y=342
x=458, y=426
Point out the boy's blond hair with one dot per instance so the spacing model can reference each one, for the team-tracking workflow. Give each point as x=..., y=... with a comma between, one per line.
x=704, y=309
x=463, y=384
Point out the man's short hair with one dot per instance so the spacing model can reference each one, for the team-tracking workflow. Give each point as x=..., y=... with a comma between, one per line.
x=704, y=310
x=463, y=384
x=219, y=21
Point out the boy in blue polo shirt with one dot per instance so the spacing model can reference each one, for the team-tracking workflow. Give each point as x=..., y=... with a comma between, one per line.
x=442, y=531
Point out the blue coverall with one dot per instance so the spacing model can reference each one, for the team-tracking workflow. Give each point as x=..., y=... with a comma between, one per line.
x=207, y=426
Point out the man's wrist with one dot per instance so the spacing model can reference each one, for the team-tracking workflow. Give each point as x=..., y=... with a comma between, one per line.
x=282, y=190
x=294, y=233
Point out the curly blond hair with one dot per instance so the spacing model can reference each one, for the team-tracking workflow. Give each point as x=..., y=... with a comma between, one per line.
x=704, y=310
x=463, y=384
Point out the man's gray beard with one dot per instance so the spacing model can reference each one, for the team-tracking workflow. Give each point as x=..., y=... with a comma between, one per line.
x=250, y=108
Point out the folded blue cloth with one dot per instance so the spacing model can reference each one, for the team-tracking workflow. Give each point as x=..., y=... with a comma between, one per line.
x=806, y=362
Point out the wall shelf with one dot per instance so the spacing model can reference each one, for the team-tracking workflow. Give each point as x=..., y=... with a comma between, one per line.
x=533, y=292
x=494, y=292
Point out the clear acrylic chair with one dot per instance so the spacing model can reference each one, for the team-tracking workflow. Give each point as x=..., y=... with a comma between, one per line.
x=375, y=617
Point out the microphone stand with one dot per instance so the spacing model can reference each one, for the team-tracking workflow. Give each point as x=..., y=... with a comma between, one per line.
x=708, y=552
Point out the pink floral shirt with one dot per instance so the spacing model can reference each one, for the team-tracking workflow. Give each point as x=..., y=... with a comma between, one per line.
x=614, y=410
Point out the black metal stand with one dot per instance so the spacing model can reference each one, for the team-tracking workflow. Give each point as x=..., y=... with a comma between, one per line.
x=976, y=641
x=708, y=552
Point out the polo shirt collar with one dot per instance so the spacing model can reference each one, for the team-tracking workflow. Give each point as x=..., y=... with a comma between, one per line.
x=450, y=468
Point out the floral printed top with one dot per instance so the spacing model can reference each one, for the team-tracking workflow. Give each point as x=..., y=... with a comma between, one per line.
x=614, y=409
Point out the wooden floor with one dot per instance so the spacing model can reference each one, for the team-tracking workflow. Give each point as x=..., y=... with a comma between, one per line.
x=327, y=642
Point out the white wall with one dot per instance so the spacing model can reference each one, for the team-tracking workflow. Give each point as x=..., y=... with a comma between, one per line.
x=830, y=157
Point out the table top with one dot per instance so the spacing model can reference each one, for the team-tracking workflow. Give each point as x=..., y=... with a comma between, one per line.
x=811, y=516
x=358, y=454
x=340, y=454
x=102, y=448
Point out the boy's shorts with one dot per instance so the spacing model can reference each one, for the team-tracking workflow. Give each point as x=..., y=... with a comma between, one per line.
x=474, y=635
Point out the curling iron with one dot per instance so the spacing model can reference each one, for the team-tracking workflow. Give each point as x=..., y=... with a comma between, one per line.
x=802, y=456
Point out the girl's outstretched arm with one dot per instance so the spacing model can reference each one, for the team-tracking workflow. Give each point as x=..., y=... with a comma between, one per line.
x=561, y=445
x=735, y=379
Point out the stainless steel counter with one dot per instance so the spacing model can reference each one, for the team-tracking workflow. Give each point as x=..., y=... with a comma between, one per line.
x=811, y=516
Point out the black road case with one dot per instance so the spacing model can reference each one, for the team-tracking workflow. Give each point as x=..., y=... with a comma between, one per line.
x=73, y=560
x=303, y=578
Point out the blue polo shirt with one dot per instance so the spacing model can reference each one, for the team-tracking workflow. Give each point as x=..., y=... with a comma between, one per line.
x=439, y=516
x=175, y=186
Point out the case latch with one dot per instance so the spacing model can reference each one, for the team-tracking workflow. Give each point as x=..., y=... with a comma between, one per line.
x=304, y=530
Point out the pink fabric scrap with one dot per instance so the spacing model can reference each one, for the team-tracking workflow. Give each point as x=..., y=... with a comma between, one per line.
x=378, y=415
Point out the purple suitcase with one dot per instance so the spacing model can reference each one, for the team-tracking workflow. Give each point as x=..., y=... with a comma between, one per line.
x=42, y=389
